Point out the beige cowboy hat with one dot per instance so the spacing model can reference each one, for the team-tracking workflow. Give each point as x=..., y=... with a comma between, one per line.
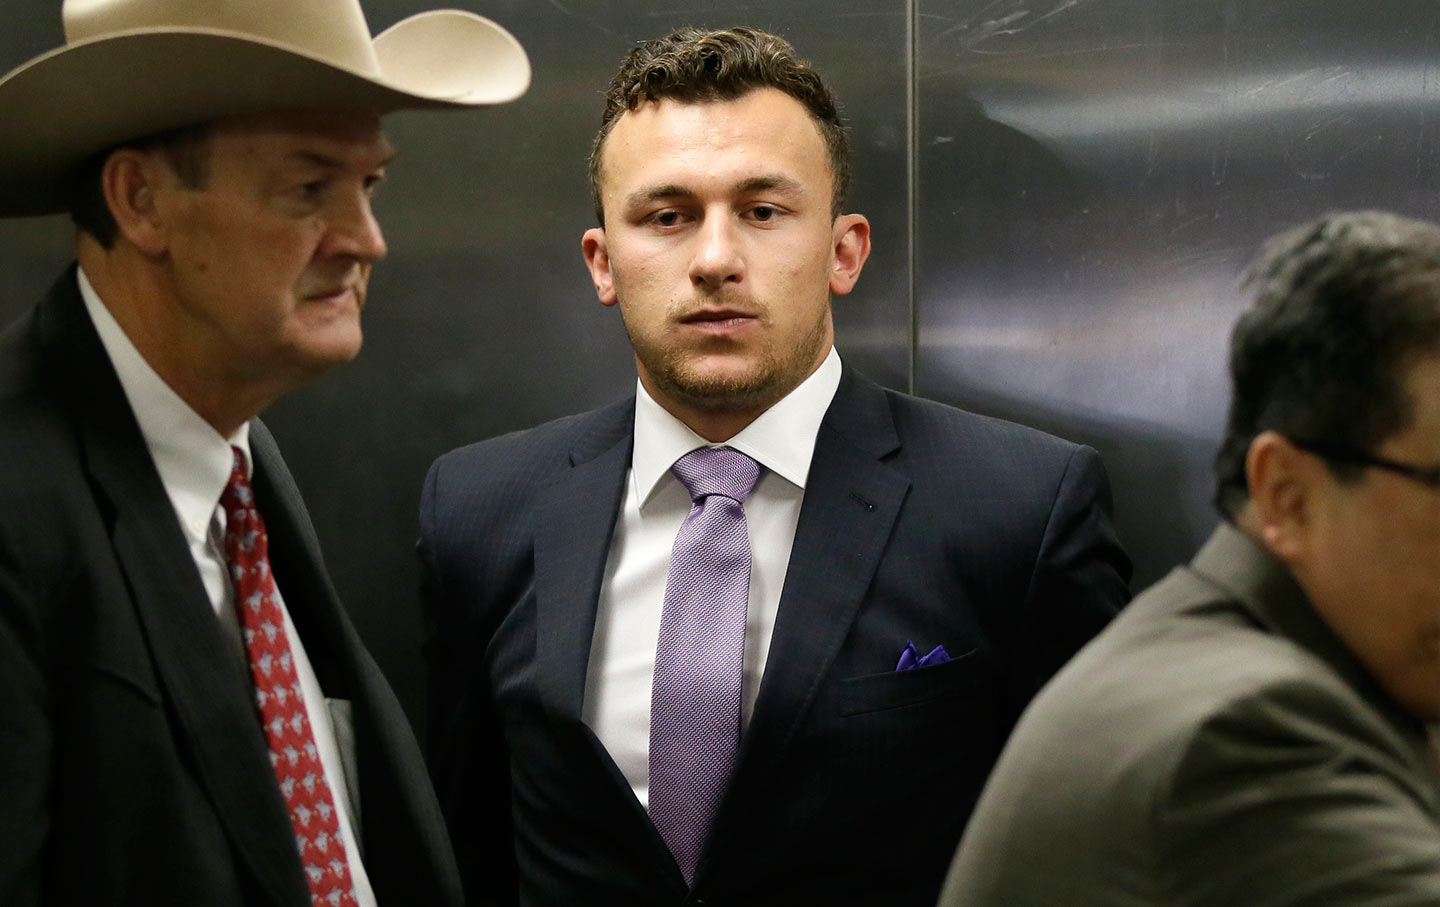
x=131, y=68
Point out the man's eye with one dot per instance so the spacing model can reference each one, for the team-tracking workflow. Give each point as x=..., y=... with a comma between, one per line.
x=311, y=190
x=665, y=218
x=764, y=213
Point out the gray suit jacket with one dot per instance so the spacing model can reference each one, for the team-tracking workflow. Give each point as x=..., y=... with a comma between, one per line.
x=1217, y=745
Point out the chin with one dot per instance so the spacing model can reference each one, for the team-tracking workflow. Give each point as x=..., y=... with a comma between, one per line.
x=320, y=356
x=722, y=390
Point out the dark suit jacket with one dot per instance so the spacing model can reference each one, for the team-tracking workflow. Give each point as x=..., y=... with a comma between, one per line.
x=920, y=522
x=1217, y=745
x=133, y=769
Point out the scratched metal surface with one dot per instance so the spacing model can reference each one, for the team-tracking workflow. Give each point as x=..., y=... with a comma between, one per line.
x=1093, y=174
x=482, y=319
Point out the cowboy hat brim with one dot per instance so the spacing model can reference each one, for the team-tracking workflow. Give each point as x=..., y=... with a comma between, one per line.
x=65, y=106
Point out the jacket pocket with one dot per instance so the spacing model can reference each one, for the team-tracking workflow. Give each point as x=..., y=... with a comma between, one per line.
x=903, y=689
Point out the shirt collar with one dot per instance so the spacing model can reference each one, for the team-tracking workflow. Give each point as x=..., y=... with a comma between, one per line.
x=782, y=439
x=193, y=460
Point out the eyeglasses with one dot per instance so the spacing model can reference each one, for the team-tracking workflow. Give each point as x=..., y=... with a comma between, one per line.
x=1339, y=453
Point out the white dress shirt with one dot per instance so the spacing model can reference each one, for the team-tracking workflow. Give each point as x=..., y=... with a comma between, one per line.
x=194, y=463
x=632, y=594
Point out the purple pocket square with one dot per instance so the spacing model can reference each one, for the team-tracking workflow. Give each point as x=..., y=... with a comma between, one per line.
x=910, y=659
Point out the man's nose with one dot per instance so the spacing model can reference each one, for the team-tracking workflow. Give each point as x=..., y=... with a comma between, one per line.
x=718, y=259
x=354, y=231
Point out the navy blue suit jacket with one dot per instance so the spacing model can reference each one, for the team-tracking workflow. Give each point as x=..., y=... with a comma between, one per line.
x=920, y=522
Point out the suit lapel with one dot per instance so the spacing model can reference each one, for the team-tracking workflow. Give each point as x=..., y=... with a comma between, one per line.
x=397, y=815
x=203, y=678
x=575, y=518
x=299, y=567
x=851, y=502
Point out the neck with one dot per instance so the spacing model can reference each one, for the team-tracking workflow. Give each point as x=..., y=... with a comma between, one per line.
x=714, y=420
x=718, y=419
x=714, y=427
x=142, y=299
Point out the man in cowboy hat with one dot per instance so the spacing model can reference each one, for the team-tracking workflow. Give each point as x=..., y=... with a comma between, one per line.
x=190, y=717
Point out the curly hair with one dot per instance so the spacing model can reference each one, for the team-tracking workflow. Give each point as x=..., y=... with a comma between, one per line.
x=691, y=66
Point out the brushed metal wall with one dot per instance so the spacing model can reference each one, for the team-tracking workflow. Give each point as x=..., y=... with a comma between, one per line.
x=1088, y=177
x=1093, y=174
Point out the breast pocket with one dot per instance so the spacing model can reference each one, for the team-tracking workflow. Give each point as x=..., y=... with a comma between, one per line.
x=907, y=689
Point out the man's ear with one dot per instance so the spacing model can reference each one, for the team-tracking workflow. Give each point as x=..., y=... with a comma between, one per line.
x=597, y=259
x=851, y=236
x=131, y=181
x=1283, y=482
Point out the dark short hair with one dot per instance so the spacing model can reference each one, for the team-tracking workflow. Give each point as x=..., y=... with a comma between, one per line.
x=1344, y=306
x=693, y=66
x=186, y=149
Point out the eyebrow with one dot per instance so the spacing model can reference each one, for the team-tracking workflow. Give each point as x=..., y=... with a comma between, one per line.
x=776, y=181
x=763, y=183
x=334, y=163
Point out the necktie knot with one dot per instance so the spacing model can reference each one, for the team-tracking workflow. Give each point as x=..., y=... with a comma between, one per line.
x=717, y=470
x=238, y=495
x=244, y=529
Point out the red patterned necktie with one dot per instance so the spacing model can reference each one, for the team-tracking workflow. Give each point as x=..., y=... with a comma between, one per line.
x=280, y=697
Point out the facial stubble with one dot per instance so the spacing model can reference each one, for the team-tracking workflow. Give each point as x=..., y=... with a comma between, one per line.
x=674, y=370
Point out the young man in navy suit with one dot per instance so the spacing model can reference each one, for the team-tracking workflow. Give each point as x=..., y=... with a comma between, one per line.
x=786, y=686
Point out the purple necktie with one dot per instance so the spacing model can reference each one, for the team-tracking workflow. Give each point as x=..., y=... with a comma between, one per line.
x=695, y=697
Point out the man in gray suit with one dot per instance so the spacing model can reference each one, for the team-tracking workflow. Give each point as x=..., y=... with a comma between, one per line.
x=1252, y=729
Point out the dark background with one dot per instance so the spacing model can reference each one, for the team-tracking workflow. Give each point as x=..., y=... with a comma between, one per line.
x=1062, y=193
